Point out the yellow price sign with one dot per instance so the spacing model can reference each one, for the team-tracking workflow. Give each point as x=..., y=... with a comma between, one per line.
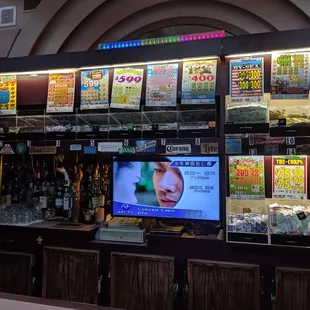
x=289, y=177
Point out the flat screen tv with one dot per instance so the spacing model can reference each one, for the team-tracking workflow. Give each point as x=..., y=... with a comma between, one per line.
x=175, y=187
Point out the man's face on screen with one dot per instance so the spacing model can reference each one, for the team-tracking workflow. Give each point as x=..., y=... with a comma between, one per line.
x=126, y=182
x=168, y=184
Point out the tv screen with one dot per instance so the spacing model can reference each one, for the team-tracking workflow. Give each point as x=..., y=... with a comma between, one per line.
x=178, y=187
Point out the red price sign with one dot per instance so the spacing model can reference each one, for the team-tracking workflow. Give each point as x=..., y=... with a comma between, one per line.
x=202, y=78
x=128, y=79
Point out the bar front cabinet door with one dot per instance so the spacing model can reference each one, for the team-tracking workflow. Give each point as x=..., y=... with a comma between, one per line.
x=142, y=282
x=70, y=274
x=222, y=286
x=16, y=272
x=293, y=289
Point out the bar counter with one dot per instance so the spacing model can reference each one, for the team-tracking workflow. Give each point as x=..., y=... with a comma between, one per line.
x=13, y=302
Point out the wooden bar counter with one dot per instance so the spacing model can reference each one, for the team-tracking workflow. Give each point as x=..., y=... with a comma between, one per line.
x=14, y=302
x=168, y=272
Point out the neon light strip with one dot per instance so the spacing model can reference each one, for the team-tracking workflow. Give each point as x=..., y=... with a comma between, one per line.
x=163, y=40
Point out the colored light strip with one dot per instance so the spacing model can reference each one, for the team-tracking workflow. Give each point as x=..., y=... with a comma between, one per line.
x=163, y=40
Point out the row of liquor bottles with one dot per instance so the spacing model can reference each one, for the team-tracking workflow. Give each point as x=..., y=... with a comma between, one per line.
x=47, y=185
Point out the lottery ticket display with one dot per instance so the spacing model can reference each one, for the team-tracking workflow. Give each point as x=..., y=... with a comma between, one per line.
x=8, y=95
x=289, y=177
x=246, y=177
x=95, y=89
x=198, y=82
x=126, y=90
x=161, y=85
x=61, y=88
x=290, y=76
x=246, y=80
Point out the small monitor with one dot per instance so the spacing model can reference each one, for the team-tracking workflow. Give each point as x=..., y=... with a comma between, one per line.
x=175, y=187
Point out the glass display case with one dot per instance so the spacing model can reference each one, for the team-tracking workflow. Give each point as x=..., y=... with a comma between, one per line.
x=249, y=112
x=289, y=217
x=247, y=214
x=246, y=218
x=268, y=200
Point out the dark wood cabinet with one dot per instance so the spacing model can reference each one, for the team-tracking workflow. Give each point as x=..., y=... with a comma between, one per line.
x=293, y=289
x=70, y=274
x=142, y=282
x=222, y=286
x=16, y=272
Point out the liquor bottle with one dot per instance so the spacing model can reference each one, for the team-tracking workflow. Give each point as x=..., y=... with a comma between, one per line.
x=3, y=193
x=96, y=176
x=59, y=201
x=8, y=196
x=75, y=211
x=66, y=203
x=43, y=197
x=37, y=170
x=15, y=192
x=100, y=211
x=95, y=197
x=30, y=192
x=88, y=214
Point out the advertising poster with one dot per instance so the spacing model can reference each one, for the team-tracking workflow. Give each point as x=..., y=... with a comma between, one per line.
x=8, y=95
x=289, y=177
x=246, y=177
x=61, y=87
x=95, y=89
x=233, y=146
x=198, y=82
x=247, y=80
x=126, y=89
x=161, y=85
x=290, y=76
x=175, y=187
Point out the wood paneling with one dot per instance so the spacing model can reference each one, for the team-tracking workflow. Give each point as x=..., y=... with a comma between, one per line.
x=141, y=282
x=222, y=286
x=70, y=274
x=16, y=272
x=293, y=289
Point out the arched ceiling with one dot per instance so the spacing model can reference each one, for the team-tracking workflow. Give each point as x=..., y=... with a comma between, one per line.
x=79, y=25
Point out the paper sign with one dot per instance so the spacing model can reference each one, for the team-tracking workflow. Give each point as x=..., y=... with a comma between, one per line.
x=246, y=177
x=109, y=147
x=95, y=89
x=8, y=95
x=145, y=146
x=179, y=149
x=127, y=150
x=75, y=147
x=246, y=80
x=44, y=149
x=289, y=177
x=90, y=150
x=61, y=88
x=209, y=148
x=161, y=85
x=290, y=76
x=198, y=82
x=126, y=90
x=21, y=148
x=7, y=149
x=233, y=146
